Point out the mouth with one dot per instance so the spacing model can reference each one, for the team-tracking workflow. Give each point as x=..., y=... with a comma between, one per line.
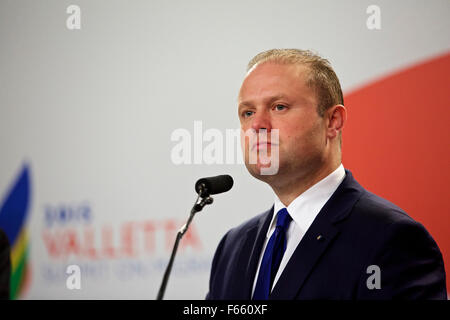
x=264, y=145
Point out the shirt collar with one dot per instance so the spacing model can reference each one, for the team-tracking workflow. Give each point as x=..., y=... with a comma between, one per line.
x=306, y=206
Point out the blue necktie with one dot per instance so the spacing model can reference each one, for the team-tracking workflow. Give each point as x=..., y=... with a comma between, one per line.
x=272, y=256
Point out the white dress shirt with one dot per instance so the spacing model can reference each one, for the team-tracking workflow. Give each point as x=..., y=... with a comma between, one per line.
x=303, y=211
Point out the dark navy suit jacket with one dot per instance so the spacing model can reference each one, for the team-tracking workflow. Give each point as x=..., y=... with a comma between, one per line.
x=357, y=229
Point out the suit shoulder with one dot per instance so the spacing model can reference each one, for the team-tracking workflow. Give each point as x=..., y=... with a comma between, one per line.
x=379, y=211
x=376, y=221
x=248, y=224
x=374, y=217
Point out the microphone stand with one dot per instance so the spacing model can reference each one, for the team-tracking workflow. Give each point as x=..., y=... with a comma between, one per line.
x=205, y=199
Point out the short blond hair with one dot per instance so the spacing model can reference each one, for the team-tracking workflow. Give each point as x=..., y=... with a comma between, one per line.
x=321, y=76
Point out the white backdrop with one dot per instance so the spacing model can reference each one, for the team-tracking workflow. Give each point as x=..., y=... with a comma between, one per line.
x=92, y=111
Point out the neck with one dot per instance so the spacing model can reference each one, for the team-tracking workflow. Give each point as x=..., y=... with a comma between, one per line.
x=291, y=189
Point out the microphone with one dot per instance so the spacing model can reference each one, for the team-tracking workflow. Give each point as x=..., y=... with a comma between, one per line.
x=213, y=185
x=204, y=187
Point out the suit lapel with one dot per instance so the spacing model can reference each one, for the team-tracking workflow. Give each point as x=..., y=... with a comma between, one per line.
x=253, y=244
x=322, y=232
x=311, y=247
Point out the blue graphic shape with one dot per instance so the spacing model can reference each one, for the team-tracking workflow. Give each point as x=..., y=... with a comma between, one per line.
x=15, y=207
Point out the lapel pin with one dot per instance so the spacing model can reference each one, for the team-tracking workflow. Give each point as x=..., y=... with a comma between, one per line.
x=319, y=237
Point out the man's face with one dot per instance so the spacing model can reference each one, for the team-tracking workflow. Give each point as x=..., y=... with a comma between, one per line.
x=275, y=96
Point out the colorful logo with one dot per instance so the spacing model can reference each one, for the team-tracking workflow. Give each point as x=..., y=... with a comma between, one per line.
x=13, y=214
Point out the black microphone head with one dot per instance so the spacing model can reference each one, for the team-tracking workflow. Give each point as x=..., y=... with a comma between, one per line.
x=214, y=185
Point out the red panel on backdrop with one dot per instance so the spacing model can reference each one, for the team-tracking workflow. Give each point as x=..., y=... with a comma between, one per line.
x=396, y=143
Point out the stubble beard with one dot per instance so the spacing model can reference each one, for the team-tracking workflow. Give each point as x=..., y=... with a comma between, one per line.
x=292, y=171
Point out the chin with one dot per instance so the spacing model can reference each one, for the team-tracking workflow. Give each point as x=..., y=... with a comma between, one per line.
x=262, y=172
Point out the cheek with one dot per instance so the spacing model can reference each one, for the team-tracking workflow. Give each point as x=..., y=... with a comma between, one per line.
x=301, y=135
x=316, y=136
x=293, y=133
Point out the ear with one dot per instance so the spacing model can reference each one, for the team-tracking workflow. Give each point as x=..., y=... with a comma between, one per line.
x=337, y=116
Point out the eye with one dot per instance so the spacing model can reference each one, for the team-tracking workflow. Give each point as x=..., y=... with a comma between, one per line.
x=247, y=114
x=280, y=107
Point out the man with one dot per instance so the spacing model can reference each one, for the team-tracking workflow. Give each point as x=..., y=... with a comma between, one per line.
x=325, y=237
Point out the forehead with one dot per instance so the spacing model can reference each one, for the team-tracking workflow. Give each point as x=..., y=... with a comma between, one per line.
x=274, y=79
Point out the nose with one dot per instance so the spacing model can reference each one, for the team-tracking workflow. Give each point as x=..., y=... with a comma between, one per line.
x=261, y=121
